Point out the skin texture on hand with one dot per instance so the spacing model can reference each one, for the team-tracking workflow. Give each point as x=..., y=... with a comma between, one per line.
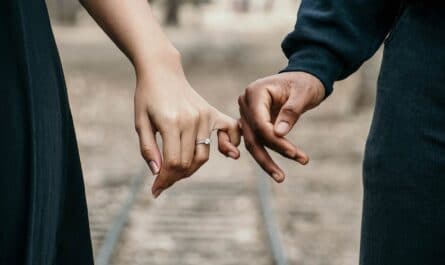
x=269, y=109
x=164, y=100
x=166, y=103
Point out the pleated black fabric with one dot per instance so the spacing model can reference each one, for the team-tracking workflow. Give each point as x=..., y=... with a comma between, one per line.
x=43, y=213
x=404, y=166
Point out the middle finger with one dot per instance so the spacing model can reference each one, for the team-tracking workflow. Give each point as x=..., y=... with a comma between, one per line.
x=258, y=117
x=202, y=151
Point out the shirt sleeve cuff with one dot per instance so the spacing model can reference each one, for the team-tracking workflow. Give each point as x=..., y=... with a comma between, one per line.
x=319, y=62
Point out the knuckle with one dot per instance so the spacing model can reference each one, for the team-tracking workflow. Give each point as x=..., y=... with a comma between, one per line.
x=292, y=107
x=186, y=164
x=190, y=117
x=171, y=118
x=146, y=152
x=174, y=163
x=251, y=89
x=222, y=149
x=204, y=114
x=291, y=154
x=138, y=127
x=249, y=146
x=196, y=116
x=290, y=110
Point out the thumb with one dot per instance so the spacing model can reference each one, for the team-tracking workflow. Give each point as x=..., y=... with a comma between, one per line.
x=289, y=114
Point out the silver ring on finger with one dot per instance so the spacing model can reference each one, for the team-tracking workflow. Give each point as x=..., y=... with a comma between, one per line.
x=205, y=141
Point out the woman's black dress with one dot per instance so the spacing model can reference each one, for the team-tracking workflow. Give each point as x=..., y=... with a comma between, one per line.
x=43, y=213
x=404, y=168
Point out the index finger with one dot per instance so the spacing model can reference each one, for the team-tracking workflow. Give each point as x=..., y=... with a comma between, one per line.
x=260, y=154
x=280, y=144
x=258, y=110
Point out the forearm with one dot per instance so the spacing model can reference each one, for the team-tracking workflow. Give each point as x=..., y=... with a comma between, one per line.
x=164, y=101
x=132, y=26
x=332, y=38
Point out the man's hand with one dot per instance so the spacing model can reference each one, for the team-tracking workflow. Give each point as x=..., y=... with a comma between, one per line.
x=269, y=109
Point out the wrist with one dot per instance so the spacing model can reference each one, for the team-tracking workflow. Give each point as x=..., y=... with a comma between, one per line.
x=166, y=60
x=318, y=89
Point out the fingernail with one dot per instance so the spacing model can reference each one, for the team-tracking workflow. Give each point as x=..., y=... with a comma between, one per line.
x=282, y=127
x=157, y=193
x=153, y=167
x=278, y=177
x=303, y=161
x=232, y=155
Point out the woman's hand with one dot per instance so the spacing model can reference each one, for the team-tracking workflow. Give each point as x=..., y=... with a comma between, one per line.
x=166, y=103
x=164, y=100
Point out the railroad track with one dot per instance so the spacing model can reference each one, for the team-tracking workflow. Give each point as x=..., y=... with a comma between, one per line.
x=117, y=225
x=219, y=220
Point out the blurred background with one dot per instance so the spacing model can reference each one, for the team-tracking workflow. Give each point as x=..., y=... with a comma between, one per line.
x=217, y=216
